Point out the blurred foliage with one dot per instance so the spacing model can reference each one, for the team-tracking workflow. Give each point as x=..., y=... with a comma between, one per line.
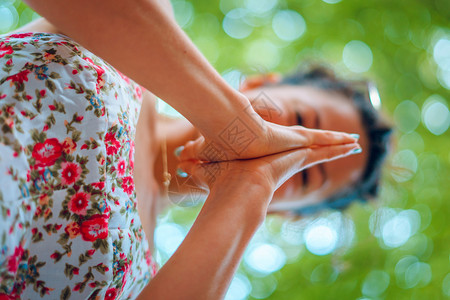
x=401, y=36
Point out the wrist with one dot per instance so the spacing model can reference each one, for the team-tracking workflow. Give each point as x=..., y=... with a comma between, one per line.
x=244, y=194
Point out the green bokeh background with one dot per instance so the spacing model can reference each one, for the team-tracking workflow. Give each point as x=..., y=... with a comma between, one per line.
x=401, y=36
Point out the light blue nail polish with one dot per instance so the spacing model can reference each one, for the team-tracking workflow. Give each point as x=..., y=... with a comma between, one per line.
x=355, y=135
x=181, y=173
x=356, y=150
x=178, y=150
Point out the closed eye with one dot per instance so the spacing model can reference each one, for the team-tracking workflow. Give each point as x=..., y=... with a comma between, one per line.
x=299, y=119
x=305, y=173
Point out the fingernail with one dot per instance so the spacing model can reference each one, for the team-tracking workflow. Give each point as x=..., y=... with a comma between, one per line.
x=354, y=135
x=181, y=173
x=178, y=150
x=356, y=150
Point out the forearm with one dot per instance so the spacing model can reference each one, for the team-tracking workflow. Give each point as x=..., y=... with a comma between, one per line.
x=206, y=261
x=143, y=41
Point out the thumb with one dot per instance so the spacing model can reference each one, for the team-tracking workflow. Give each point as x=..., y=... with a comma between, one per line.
x=203, y=151
x=203, y=174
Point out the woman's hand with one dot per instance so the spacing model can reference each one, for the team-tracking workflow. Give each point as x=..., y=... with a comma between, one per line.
x=268, y=172
x=250, y=136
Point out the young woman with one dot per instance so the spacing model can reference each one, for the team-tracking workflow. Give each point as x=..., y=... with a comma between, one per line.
x=69, y=222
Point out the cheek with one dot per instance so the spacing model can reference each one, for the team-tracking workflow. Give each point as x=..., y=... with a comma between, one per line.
x=288, y=190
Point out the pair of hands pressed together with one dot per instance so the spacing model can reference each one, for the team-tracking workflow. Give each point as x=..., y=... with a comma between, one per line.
x=260, y=152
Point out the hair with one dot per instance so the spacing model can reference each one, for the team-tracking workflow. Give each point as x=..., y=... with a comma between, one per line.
x=376, y=128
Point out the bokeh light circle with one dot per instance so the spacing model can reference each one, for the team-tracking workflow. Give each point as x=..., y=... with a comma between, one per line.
x=436, y=115
x=407, y=116
x=446, y=285
x=288, y=25
x=357, y=56
x=184, y=12
x=320, y=239
x=418, y=274
x=239, y=289
x=8, y=17
x=168, y=237
x=404, y=165
x=441, y=53
x=375, y=284
x=260, y=6
x=396, y=231
x=400, y=269
x=234, y=24
x=324, y=273
x=265, y=258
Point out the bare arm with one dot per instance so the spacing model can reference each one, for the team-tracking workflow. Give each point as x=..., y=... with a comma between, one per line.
x=204, y=264
x=142, y=39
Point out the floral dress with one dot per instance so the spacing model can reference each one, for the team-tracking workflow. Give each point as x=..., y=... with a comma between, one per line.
x=69, y=227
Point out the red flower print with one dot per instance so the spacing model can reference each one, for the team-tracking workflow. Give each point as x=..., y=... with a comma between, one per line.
x=69, y=145
x=70, y=173
x=111, y=294
x=47, y=212
x=95, y=228
x=76, y=271
x=43, y=199
x=128, y=185
x=13, y=260
x=100, y=72
x=47, y=153
x=72, y=229
x=131, y=157
x=19, y=77
x=138, y=93
x=5, y=49
x=20, y=35
x=99, y=185
x=42, y=92
x=10, y=110
x=111, y=143
x=121, y=167
x=79, y=202
x=148, y=257
x=52, y=107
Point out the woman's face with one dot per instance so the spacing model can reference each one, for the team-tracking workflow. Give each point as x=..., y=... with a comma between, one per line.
x=313, y=108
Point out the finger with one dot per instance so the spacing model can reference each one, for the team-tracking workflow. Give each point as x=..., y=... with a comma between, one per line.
x=191, y=149
x=329, y=153
x=200, y=150
x=286, y=164
x=320, y=137
x=204, y=174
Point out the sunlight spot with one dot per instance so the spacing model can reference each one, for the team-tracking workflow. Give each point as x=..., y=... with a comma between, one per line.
x=265, y=258
x=357, y=56
x=234, y=24
x=288, y=25
x=320, y=239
